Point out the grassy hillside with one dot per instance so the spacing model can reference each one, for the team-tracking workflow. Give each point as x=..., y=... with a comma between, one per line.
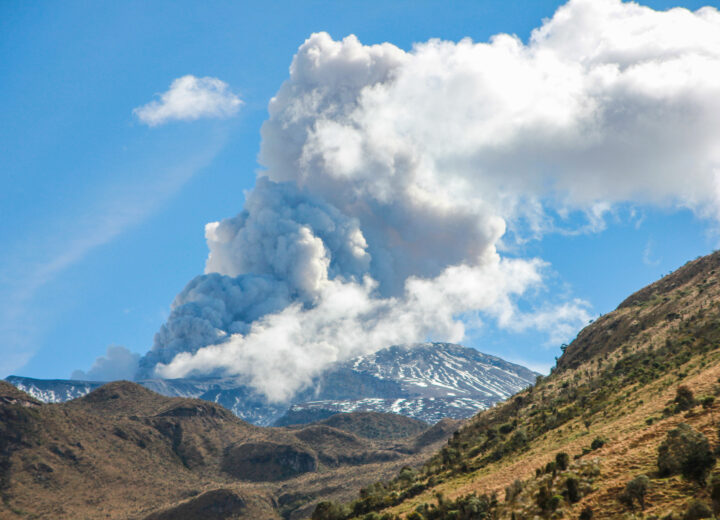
x=585, y=441
x=125, y=452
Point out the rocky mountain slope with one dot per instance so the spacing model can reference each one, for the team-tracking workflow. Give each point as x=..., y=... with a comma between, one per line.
x=624, y=427
x=123, y=451
x=426, y=382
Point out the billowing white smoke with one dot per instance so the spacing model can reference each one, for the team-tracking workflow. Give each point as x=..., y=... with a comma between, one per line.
x=391, y=177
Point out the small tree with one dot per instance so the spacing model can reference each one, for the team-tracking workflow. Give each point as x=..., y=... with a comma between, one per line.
x=685, y=451
x=573, y=490
x=562, y=460
x=684, y=399
x=715, y=494
x=329, y=511
x=586, y=513
x=542, y=499
x=635, y=491
x=697, y=510
x=513, y=490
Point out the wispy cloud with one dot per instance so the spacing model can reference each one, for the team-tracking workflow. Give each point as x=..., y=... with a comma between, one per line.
x=648, y=254
x=30, y=265
x=190, y=98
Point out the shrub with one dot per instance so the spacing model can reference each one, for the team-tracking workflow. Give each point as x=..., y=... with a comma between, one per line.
x=685, y=451
x=555, y=502
x=586, y=513
x=513, y=490
x=635, y=491
x=715, y=493
x=329, y=511
x=573, y=490
x=684, y=399
x=542, y=499
x=507, y=428
x=518, y=441
x=697, y=510
x=407, y=475
x=562, y=460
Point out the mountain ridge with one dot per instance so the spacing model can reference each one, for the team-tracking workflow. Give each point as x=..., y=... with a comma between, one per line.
x=426, y=381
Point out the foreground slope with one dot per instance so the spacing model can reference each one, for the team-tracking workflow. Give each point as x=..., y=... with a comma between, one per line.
x=123, y=451
x=569, y=446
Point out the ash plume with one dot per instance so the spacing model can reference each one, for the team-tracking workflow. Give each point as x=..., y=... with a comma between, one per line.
x=392, y=178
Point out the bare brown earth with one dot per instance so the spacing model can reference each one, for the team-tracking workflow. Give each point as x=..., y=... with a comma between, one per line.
x=124, y=452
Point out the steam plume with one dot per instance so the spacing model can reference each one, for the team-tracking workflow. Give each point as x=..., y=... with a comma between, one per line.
x=392, y=176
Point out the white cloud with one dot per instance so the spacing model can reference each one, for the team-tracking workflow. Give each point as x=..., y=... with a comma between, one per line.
x=190, y=98
x=392, y=177
x=117, y=363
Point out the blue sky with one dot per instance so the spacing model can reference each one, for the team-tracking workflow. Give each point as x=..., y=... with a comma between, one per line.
x=103, y=216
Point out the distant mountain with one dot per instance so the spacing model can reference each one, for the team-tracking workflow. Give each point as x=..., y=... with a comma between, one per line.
x=53, y=390
x=428, y=382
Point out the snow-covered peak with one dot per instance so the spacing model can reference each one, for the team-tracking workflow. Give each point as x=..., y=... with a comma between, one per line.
x=444, y=369
x=427, y=381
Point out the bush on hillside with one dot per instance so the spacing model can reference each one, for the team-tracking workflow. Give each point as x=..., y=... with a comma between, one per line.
x=329, y=510
x=684, y=399
x=697, y=510
x=685, y=451
x=715, y=493
x=635, y=491
x=562, y=460
x=513, y=490
x=573, y=490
